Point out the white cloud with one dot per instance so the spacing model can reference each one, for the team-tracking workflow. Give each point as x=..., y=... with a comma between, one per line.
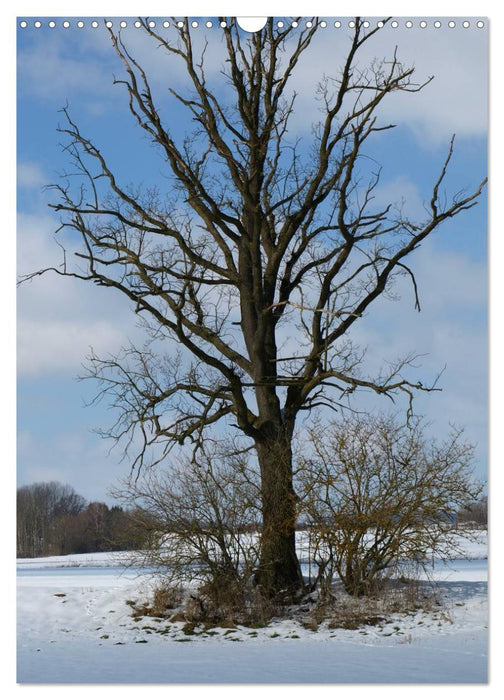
x=450, y=281
x=453, y=297
x=449, y=333
x=59, y=346
x=456, y=100
x=60, y=318
x=57, y=67
x=76, y=457
x=398, y=191
x=82, y=65
x=36, y=242
x=30, y=175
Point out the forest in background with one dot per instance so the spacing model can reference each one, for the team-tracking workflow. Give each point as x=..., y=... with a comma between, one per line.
x=52, y=519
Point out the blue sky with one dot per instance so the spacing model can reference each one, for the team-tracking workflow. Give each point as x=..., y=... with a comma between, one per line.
x=59, y=319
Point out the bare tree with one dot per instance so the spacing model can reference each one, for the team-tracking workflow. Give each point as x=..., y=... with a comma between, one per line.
x=41, y=508
x=256, y=231
x=378, y=495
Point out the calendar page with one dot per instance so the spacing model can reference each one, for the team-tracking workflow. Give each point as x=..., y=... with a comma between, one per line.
x=252, y=349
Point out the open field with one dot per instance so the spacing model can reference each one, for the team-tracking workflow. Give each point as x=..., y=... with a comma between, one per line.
x=74, y=626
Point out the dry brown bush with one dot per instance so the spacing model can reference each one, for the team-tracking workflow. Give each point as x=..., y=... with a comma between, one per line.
x=378, y=496
x=389, y=597
x=163, y=601
x=202, y=523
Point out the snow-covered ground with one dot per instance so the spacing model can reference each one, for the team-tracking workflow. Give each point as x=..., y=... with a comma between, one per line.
x=74, y=626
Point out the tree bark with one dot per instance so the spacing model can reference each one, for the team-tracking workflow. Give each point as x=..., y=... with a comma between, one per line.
x=279, y=570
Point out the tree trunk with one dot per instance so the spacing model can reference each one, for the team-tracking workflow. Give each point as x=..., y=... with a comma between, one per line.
x=279, y=571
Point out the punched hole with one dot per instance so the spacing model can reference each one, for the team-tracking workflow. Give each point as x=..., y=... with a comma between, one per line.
x=251, y=24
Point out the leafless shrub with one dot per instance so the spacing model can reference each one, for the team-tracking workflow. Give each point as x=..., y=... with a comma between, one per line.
x=201, y=520
x=378, y=495
x=230, y=604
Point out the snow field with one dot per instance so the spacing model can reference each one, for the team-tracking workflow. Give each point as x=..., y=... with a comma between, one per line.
x=75, y=626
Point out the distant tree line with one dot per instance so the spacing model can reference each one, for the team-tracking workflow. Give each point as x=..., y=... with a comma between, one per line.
x=475, y=513
x=52, y=519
